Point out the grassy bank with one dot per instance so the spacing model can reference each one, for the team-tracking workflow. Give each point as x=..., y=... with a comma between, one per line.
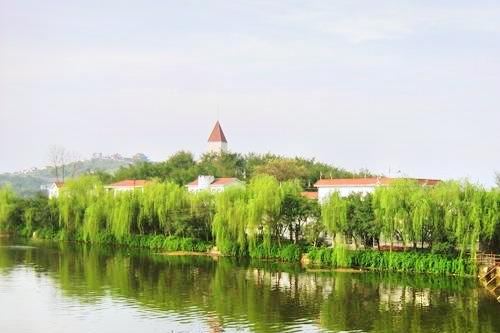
x=152, y=242
x=407, y=262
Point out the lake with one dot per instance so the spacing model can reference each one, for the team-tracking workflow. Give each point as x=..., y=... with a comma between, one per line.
x=47, y=287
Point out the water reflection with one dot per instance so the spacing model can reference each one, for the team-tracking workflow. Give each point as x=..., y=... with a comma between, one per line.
x=205, y=294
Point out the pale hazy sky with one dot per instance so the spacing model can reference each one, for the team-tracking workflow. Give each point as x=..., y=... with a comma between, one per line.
x=407, y=85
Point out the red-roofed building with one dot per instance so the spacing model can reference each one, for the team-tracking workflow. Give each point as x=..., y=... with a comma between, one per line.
x=213, y=184
x=347, y=186
x=217, y=142
x=127, y=185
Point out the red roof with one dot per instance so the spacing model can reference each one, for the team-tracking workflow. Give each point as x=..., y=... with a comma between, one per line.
x=217, y=134
x=310, y=195
x=130, y=183
x=217, y=182
x=373, y=181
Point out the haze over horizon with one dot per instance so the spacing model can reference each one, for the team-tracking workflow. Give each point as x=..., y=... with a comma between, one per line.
x=400, y=85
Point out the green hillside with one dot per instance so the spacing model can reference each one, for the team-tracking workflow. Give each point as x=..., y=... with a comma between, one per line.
x=28, y=182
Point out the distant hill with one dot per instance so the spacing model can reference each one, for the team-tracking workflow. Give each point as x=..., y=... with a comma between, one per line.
x=28, y=182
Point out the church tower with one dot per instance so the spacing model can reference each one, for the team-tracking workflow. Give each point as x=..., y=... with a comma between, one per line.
x=217, y=142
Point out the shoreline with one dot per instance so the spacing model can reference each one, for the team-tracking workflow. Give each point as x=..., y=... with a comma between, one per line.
x=189, y=254
x=307, y=260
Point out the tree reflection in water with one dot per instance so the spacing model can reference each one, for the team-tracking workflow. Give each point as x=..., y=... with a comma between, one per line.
x=261, y=296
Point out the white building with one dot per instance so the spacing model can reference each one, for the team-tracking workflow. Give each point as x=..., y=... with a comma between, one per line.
x=359, y=185
x=217, y=142
x=212, y=184
x=127, y=185
x=53, y=189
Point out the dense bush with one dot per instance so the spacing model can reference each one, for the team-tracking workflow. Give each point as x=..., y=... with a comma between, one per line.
x=290, y=252
x=408, y=262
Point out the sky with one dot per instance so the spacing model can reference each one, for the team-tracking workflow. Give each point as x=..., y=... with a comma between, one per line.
x=408, y=86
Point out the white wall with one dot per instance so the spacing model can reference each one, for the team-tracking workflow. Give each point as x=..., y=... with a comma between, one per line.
x=120, y=189
x=212, y=188
x=53, y=191
x=344, y=191
x=205, y=181
x=217, y=147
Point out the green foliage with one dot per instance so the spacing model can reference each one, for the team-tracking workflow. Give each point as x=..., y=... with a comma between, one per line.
x=222, y=165
x=392, y=206
x=296, y=211
x=179, y=168
x=408, y=262
x=264, y=207
x=74, y=198
x=361, y=219
x=289, y=252
x=27, y=184
x=38, y=213
x=413, y=262
x=182, y=168
x=262, y=219
x=259, y=214
x=337, y=257
x=334, y=214
x=165, y=243
x=282, y=169
x=229, y=226
x=450, y=211
x=7, y=206
x=314, y=231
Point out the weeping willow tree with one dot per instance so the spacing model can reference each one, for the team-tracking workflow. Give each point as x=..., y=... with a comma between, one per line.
x=491, y=212
x=421, y=216
x=469, y=212
x=295, y=210
x=202, y=209
x=74, y=198
x=393, y=211
x=245, y=216
x=334, y=217
x=164, y=208
x=96, y=215
x=7, y=206
x=28, y=219
x=229, y=226
x=89, y=212
x=334, y=214
x=264, y=207
x=460, y=213
x=125, y=209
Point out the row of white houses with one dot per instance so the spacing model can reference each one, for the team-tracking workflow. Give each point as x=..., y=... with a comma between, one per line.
x=203, y=183
x=325, y=187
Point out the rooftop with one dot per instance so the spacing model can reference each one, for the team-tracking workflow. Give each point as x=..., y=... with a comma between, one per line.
x=130, y=183
x=217, y=134
x=372, y=181
x=217, y=181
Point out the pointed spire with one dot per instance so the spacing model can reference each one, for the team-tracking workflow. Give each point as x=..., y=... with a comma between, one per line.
x=217, y=134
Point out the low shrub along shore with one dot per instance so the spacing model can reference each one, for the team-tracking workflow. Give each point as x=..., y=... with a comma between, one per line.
x=407, y=262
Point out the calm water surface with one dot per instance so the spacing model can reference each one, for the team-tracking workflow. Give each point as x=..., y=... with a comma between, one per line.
x=68, y=288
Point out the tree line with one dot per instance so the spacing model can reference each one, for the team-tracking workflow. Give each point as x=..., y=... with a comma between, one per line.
x=264, y=214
